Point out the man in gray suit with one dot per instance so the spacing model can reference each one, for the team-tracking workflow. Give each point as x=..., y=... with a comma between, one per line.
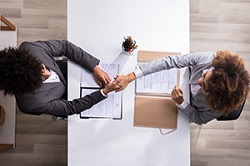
x=39, y=82
x=218, y=83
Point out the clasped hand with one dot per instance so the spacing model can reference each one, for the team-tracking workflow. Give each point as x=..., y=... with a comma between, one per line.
x=177, y=95
x=122, y=81
x=104, y=80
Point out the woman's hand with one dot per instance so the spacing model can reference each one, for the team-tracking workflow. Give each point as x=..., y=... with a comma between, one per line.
x=124, y=80
x=112, y=86
x=177, y=95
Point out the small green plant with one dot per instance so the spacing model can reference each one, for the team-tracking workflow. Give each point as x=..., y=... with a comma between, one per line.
x=129, y=44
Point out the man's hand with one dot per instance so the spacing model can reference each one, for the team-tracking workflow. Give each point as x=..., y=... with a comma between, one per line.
x=124, y=80
x=101, y=77
x=177, y=95
x=112, y=86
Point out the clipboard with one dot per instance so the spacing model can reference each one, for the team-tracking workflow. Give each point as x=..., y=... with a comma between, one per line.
x=155, y=110
x=109, y=110
x=111, y=107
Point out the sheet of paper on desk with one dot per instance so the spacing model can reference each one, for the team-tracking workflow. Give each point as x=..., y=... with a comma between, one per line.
x=111, y=106
x=110, y=67
x=108, y=108
x=159, y=82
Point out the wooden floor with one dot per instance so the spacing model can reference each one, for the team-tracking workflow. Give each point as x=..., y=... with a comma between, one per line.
x=40, y=141
x=214, y=25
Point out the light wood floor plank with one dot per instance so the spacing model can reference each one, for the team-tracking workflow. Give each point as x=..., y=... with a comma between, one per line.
x=41, y=4
x=221, y=28
x=31, y=23
x=211, y=161
x=57, y=24
x=10, y=12
x=6, y=4
x=25, y=139
x=44, y=14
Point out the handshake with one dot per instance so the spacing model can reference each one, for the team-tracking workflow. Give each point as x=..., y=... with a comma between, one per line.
x=120, y=83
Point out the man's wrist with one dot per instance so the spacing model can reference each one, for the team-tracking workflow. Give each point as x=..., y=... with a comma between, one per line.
x=95, y=68
x=104, y=93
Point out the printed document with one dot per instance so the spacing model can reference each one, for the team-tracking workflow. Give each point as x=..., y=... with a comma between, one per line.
x=159, y=82
x=109, y=107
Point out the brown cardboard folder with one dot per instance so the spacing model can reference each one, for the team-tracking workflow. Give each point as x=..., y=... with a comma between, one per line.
x=157, y=112
x=152, y=55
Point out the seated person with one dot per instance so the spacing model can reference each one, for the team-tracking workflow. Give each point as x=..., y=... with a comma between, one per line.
x=39, y=82
x=219, y=83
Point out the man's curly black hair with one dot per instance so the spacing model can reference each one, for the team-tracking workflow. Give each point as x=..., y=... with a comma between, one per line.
x=20, y=72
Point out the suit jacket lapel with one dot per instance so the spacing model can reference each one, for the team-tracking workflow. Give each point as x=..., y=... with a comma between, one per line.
x=51, y=64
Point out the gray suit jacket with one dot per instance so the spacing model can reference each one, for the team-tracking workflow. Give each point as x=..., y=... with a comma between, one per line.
x=51, y=98
x=197, y=111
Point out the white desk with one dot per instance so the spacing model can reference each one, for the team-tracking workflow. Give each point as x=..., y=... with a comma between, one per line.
x=99, y=28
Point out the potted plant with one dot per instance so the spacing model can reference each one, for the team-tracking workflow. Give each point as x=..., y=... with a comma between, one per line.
x=128, y=45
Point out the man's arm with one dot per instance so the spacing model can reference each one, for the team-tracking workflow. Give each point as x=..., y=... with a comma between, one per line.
x=63, y=107
x=56, y=48
x=80, y=57
x=71, y=51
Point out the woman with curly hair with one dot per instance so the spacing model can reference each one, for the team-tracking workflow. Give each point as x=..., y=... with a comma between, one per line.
x=39, y=82
x=219, y=83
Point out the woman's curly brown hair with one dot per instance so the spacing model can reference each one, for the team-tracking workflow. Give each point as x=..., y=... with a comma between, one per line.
x=20, y=72
x=229, y=84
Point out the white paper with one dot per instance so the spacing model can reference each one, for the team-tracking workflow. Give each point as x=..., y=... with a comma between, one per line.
x=112, y=68
x=111, y=106
x=159, y=82
x=108, y=108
